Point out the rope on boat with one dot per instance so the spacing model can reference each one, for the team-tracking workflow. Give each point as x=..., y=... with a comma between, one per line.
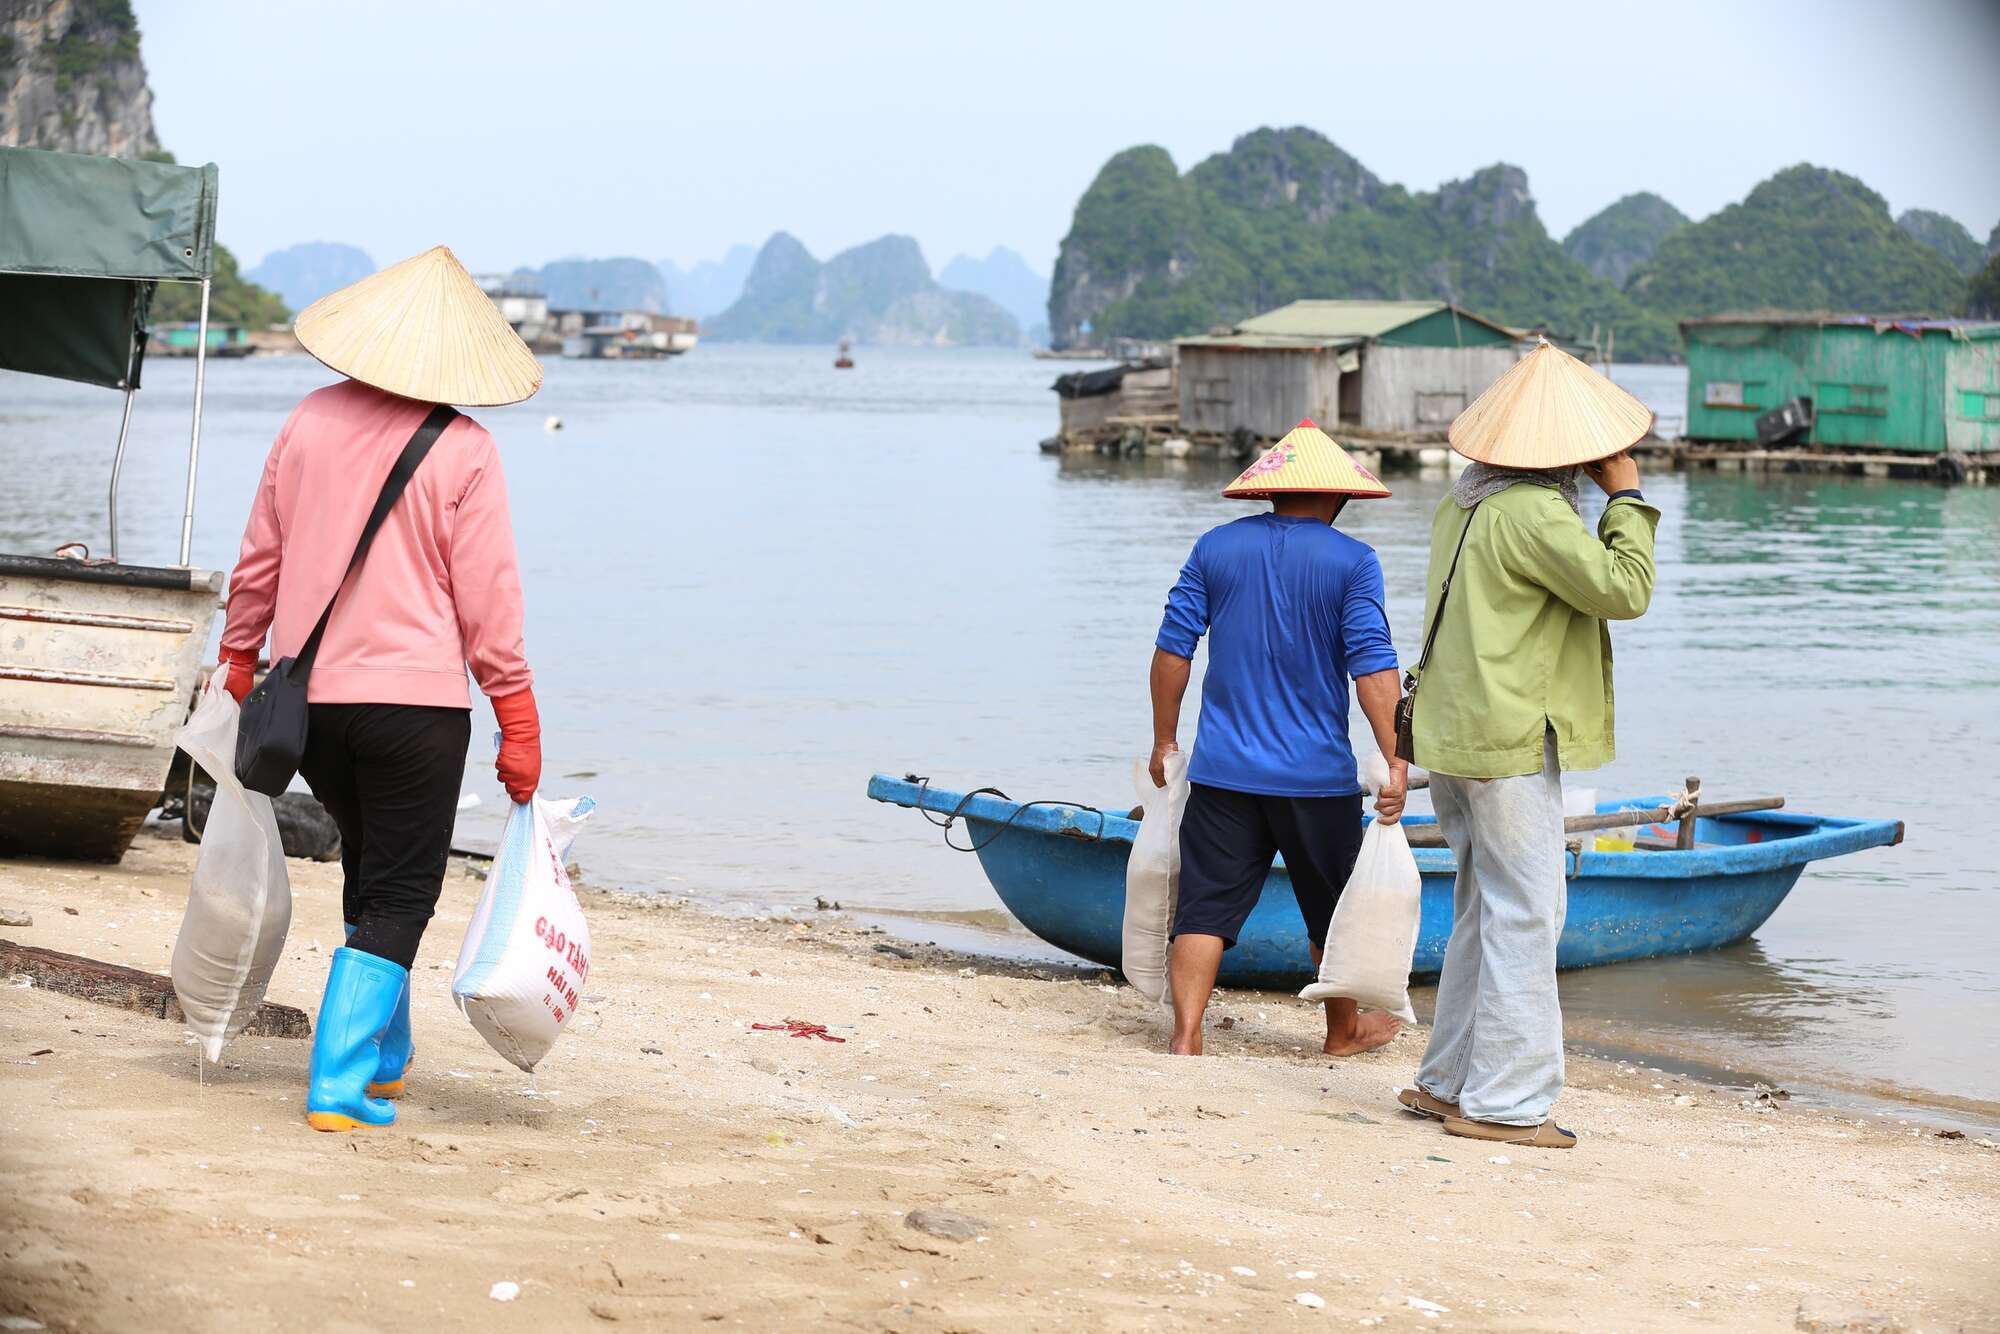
x=923, y=784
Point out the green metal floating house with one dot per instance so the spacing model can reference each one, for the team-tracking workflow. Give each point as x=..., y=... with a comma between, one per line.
x=1399, y=366
x=1886, y=383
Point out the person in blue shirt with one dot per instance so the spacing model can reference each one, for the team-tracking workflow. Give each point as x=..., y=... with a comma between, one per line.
x=1292, y=608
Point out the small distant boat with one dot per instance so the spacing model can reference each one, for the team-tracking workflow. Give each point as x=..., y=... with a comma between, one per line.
x=1060, y=869
x=843, y=362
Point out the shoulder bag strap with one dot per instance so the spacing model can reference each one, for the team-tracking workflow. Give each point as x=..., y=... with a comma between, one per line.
x=1444, y=592
x=413, y=454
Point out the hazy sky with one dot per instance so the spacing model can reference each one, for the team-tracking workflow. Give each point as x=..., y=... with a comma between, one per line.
x=519, y=133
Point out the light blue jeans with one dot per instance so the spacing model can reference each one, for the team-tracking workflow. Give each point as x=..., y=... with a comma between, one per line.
x=1497, y=1045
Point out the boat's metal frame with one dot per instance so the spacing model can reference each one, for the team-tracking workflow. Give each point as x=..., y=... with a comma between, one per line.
x=1060, y=869
x=101, y=658
x=194, y=428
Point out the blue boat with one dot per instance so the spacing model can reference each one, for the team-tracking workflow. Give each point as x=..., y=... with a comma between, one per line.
x=1060, y=869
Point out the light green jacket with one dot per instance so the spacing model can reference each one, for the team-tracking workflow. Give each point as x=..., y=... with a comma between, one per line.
x=1523, y=646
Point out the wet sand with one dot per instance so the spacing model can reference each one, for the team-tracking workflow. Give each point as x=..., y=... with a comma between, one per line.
x=670, y=1167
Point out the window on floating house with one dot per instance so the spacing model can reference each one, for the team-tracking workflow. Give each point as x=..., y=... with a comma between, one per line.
x=1979, y=405
x=1733, y=394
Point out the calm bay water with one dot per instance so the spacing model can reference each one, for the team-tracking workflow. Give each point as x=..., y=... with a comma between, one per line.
x=753, y=581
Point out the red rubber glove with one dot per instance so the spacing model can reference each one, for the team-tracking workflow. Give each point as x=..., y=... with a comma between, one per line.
x=520, y=761
x=240, y=666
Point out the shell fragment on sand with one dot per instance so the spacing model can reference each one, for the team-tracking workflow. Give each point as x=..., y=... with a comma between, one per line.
x=946, y=1224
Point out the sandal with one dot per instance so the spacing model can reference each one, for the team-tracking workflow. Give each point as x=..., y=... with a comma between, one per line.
x=1547, y=1135
x=1423, y=1104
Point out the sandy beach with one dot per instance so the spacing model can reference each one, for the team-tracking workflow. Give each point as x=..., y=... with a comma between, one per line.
x=671, y=1167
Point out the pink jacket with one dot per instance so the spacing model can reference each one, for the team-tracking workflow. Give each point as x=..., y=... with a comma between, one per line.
x=440, y=587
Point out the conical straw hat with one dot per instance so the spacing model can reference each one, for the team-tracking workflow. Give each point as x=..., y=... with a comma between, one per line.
x=1549, y=411
x=422, y=329
x=1305, y=461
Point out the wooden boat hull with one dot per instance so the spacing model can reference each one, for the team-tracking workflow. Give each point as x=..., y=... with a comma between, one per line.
x=1061, y=871
x=97, y=666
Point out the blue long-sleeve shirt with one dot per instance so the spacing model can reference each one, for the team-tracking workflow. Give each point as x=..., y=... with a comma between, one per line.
x=1292, y=609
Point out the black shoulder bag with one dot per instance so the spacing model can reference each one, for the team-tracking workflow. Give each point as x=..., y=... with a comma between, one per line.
x=271, y=730
x=1406, y=707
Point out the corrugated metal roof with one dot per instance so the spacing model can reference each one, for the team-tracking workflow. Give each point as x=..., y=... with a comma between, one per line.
x=1338, y=319
x=1330, y=323
x=1915, y=325
x=1265, y=342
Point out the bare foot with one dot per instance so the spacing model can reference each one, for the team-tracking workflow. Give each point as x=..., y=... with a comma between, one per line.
x=1366, y=1033
x=1185, y=1046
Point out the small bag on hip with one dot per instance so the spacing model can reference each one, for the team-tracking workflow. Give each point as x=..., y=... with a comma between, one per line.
x=271, y=731
x=1406, y=707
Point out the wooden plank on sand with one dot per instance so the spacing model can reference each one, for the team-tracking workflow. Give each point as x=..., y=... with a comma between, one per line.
x=132, y=989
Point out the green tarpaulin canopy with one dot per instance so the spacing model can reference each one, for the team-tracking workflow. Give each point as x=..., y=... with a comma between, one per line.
x=82, y=242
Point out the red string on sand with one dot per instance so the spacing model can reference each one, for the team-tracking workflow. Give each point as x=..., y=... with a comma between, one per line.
x=799, y=1028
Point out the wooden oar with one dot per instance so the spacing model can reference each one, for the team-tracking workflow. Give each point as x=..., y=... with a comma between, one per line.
x=1428, y=836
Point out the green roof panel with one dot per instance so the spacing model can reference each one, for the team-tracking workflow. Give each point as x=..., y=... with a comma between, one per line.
x=1315, y=323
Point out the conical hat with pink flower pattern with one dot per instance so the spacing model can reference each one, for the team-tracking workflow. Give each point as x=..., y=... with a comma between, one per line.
x=1305, y=461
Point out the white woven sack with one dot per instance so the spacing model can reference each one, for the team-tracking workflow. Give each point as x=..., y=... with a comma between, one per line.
x=239, y=898
x=526, y=953
x=1372, y=939
x=1153, y=877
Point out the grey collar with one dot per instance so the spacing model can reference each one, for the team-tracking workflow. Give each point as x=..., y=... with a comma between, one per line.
x=1482, y=480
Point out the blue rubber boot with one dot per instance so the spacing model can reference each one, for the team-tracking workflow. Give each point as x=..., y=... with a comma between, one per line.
x=399, y=1049
x=362, y=992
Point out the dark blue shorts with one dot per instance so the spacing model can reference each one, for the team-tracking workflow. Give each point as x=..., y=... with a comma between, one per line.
x=1228, y=840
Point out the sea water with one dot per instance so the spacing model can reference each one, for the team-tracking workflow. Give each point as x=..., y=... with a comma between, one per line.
x=753, y=580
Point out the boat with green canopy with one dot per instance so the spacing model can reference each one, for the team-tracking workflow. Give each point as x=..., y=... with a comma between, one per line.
x=98, y=658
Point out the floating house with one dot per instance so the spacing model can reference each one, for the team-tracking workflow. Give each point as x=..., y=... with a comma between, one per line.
x=1138, y=395
x=181, y=339
x=523, y=305
x=624, y=334
x=1388, y=366
x=1920, y=386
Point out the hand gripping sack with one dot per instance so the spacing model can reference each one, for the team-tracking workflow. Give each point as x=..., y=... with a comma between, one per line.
x=1373, y=936
x=240, y=897
x=1153, y=876
x=526, y=954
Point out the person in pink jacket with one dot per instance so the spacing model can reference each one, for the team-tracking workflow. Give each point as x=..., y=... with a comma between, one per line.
x=438, y=590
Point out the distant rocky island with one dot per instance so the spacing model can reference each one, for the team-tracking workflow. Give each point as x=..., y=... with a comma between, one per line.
x=1945, y=235
x=1155, y=253
x=881, y=293
x=1622, y=237
x=602, y=284
x=1806, y=239
x=710, y=286
x=1005, y=277
x=302, y=274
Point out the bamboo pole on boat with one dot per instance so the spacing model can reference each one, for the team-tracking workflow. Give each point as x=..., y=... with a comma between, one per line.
x=1428, y=836
x=1684, y=836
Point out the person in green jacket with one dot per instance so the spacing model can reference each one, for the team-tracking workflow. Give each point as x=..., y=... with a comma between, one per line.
x=1514, y=688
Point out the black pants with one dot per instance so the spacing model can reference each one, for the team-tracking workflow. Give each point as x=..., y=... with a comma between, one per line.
x=1228, y=840
x=389, y=775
